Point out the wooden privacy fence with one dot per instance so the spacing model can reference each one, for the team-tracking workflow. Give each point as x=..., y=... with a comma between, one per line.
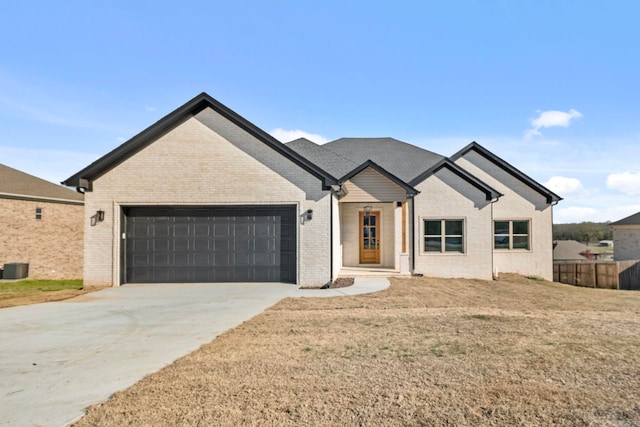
x=605, y=274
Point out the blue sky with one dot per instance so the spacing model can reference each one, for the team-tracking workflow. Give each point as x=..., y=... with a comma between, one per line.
x=550, y=86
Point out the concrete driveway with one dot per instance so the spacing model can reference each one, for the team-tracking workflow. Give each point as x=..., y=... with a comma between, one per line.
x=58, y=358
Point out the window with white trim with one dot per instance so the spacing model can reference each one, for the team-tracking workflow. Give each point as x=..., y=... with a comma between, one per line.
x=444, y=235
x=38, y=213
x=511, y=234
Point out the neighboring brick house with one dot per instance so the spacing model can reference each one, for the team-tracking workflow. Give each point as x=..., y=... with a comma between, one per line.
x=203, y=195
x=626, y=238
x=42, y=225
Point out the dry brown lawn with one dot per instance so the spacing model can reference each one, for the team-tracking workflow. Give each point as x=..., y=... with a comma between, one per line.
x=424, y=352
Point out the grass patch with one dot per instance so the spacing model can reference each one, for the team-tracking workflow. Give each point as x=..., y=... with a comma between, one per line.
x=40, y=285
x=28, y=291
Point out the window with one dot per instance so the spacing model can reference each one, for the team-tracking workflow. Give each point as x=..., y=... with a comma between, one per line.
x=443, y=235
x=38, y=213
x=511, y=234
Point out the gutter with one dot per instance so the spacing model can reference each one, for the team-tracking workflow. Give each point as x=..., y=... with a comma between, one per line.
x=413, y=236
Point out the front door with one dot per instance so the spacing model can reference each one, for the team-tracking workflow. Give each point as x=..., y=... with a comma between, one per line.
x=370, y=238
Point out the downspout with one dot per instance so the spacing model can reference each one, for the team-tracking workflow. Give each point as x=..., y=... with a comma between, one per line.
x=330, y=237
x=334, y=191
x=413, y=235
x=494, y=272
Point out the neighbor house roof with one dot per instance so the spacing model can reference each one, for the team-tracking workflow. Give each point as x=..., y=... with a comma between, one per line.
x=630, y=220
x=15, y=184
x=173, y=119
x=566, y=250
x=474, y=146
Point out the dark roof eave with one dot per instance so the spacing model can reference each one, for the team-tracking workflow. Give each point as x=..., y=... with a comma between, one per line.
x=550, y=196
x=178, y=116
x=411, y=191
x=490, y=192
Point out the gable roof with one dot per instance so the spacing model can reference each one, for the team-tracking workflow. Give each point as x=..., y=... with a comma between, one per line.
x=370, y=164
x=630, y=220
x=489, y=192
x=173, y=119
x=474, y=146
x=340, y=166
x=15, y=184
x=571, y=250
x=402, y=160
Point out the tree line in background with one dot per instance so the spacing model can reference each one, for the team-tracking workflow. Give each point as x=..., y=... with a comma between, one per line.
x=585, y=232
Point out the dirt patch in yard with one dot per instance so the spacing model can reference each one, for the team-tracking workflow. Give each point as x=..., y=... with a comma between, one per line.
x=342, y=282
x=423, y=352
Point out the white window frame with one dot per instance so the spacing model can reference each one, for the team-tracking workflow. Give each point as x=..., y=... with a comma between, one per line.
x=443, y=236
x=511, y=234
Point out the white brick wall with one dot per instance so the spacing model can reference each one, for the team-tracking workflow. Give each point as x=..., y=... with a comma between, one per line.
x=520, y=202
x=446, y=196
x=206, y=160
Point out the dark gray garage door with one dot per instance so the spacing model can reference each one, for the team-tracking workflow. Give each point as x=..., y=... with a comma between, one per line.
x=213, y=244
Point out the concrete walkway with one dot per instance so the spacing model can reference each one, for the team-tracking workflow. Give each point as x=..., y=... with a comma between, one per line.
x=58, y=358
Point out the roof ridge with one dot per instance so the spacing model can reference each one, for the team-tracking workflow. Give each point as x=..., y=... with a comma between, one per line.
x=386, y=137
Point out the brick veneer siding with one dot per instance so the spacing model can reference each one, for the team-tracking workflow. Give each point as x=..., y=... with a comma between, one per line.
x=446, y=196
x=53, y=245
x=519, y=202
x=207, y=161
x=626, y=242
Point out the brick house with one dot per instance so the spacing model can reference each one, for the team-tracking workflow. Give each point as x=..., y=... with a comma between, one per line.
x=203, y=195
x=626, y=238
x=42, y=225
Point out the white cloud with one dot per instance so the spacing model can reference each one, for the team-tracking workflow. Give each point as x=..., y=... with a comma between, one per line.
x=565, y=187
x=149, y=108
x=289, y=135
x=574, y=214
x=548, y=119
x=626, y=182
x=551, y=118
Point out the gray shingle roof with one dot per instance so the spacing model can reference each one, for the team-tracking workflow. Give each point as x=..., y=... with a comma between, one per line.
x=17, y=184
x=569, y=250
x=403, y=160
x=331, y=162
x=630, y=220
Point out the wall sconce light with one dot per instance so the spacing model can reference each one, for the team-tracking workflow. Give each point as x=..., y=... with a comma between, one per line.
x=306, y=215
x=97, y=217
x=367, y=211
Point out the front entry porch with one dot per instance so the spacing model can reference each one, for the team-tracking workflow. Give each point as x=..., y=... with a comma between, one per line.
x=373, y=238
x=370, y=272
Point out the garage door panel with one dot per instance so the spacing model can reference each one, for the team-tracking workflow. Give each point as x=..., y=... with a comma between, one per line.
x=216, y=244
x=222, y=230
